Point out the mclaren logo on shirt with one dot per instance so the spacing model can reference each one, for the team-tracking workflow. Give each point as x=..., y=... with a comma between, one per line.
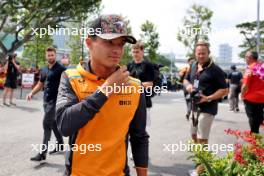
x=124, y=102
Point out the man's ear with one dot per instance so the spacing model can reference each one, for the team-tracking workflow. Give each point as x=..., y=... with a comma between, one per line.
x=88, y=42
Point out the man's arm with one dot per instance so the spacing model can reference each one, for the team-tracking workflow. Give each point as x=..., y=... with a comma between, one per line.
x=39, y=86
x=6, y=66
x=244, y=89
x=188, y=86
x=215, y=96
x=220, y=82
x=139, y=138
x=245, y=80
x=72, y=114
x=16, y=65
x=36, y=89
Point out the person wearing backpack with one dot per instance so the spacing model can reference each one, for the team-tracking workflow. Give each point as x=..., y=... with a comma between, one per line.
x=205, y=82
x=183, y=73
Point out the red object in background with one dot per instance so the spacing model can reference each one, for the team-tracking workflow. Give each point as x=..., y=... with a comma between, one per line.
x=2, y=77
x=2, y=82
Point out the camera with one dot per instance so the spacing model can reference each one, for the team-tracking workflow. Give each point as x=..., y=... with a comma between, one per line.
x=193, y=99
x=10, y=57
x=196, y=96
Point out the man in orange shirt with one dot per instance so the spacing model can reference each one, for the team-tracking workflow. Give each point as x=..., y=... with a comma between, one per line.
x=253, y=90
x=98, y=121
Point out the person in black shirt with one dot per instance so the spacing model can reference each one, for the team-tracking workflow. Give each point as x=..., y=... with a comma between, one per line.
x=12, y=69
x=49, y=81
x=234, y=79
x=208, y=80
x=144, y=71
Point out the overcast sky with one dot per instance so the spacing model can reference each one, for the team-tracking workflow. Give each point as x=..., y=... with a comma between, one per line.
x=168, y=15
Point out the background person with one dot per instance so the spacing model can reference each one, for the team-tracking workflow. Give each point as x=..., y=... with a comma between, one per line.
x=253, y=91
x=144, y=71
x=49, y=81
x=12, y=70
x=234, y=80
x=208, y=81
x=183, y=73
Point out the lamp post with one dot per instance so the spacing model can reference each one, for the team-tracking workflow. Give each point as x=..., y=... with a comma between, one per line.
x=258, y=26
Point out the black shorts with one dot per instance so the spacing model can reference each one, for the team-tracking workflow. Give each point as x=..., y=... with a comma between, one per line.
x=11, y=83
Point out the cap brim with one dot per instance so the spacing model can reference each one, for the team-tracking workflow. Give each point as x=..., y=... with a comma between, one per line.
x=129, y=38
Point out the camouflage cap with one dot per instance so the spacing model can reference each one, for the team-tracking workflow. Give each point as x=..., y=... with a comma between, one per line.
x=111, y=27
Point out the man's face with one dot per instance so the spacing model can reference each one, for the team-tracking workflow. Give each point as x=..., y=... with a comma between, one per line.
x=51, y=57
x=202, y=54
x=137, y=54
x=107, y=53
x=248, y=58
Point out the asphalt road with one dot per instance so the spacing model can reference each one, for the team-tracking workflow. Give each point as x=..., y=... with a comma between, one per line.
x=21, y=126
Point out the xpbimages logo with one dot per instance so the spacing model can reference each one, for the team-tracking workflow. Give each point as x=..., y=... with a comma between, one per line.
x=185, y=147
x=81, y=148
x=83, y=32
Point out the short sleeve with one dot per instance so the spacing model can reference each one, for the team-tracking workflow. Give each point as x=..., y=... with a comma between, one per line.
x=219, y=78
x=42, y=75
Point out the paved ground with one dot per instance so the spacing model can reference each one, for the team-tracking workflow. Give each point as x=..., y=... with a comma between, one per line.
x=21, y=126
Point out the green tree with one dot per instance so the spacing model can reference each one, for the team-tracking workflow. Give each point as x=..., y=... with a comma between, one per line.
x=34, y=50
x=163, y=60
x=76, y=42
x=196, y=26
x=19, y=17
x=150, y=38
x=249, y=31
x=127, y=57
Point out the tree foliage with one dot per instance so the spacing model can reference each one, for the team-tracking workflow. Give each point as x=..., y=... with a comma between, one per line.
x=18, y=17
x=196, y=26
x=150, y=38
x=34, y=50
x=249, y=31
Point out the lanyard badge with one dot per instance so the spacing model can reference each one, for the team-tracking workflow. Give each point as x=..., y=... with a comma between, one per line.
x=196, y=84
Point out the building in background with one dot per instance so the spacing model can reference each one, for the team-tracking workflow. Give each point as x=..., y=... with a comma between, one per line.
x=60, y=41
x=225, y=53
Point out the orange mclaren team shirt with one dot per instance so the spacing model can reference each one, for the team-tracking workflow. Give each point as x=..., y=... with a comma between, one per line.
x=101, y=125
